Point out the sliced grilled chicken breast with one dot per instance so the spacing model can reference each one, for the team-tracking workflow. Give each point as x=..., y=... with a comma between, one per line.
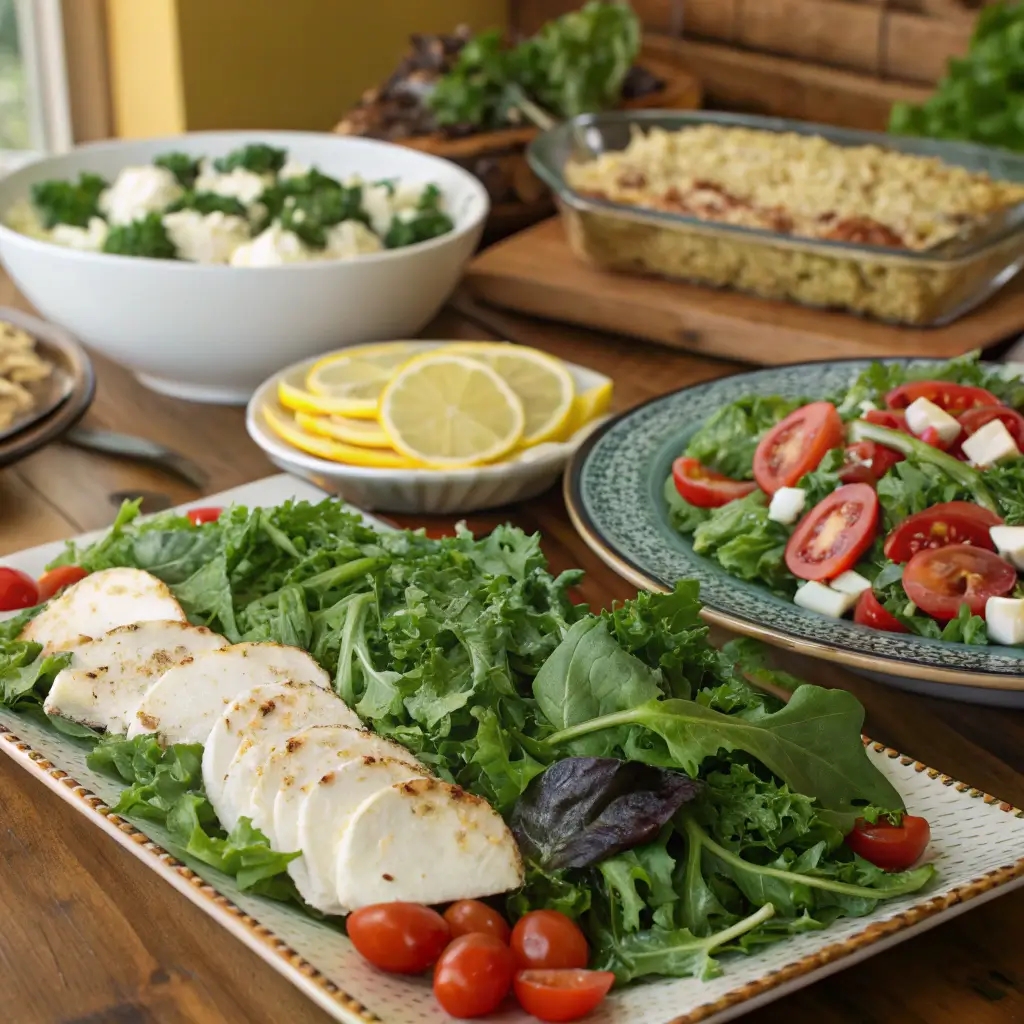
x=325, y=815
x=426, y=841
x=183, y=705
x=99, y=603
x=245, y=735
x=109, y=676
x=292, y=769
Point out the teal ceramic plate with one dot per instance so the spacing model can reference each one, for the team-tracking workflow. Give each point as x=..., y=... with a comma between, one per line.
x=613, y=489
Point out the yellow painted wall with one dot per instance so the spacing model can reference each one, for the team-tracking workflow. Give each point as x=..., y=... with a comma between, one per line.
x=209, y=64
x=145, y=67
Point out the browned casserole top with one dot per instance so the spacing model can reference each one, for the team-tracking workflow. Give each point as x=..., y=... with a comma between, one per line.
x=797, y=185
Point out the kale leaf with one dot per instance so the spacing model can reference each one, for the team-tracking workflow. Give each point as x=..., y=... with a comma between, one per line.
x=144, y=237
x=68, y=202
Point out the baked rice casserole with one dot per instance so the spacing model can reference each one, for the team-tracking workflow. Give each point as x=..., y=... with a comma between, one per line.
x=797, y=187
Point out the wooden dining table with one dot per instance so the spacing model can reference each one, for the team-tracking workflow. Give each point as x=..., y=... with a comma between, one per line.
x=88, y=934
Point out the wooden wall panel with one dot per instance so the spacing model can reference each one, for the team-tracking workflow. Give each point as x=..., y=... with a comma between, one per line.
x=917, y=49
x=656, y=15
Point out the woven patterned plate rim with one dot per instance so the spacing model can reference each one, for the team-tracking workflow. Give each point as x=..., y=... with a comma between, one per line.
x=246, y=916
x=613, y=490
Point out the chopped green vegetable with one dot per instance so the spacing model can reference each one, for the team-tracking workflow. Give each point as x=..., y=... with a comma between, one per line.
x=144, y=237
x=68, y=202
x=184, y=167
x=428, y=221
x=209, y=202
x=258, y=158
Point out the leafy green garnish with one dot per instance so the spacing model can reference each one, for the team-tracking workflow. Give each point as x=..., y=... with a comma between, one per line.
x=683, y=516
x=144, y=237
x=184, y=167
x=257, y=157
x=209, y=202
x=68, y=202
x=427, y=221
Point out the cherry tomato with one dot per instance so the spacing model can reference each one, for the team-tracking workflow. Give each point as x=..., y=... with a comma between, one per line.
x=871, y=612
x=199, y=516
x=888, y=418
x=56, y=580
x=954, y=398
x=473, y=975
x=561, y=995
x=17, y=590
x=834, y=534
x=548, y=940
x=867, y=462
x=796, y=445
x=469, y=916
x=952, y=522
x=704, y=487
x=403, y=938
x=939, y=580
x=888, y=846
x=974, y=419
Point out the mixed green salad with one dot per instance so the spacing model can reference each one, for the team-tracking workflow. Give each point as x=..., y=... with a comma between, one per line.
x=900, y=498
x=671, y=808
x=252, y=207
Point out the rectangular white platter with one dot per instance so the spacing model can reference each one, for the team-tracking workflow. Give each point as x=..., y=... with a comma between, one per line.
x=977, y=847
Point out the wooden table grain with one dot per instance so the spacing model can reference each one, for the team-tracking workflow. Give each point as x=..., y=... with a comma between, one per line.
x=89, y=936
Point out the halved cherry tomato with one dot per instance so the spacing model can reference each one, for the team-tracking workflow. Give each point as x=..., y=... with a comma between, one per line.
x=871, y=612
x=888, y=846
x=17, y=590
x=890, y=418
x=951, y=522
x=834, y=534
x=974, y=419
x=468, y=916
x=867, y=462
x=561, y=995
x=704, y=487
x=56, y=580
x=208, y=514
x=473, y=975
x=954, y=398
x=403, y=938
x=548, y=940
x=939, y=580
x=796, y=445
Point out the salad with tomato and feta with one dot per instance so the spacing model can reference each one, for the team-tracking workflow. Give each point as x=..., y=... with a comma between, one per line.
x=899, y=501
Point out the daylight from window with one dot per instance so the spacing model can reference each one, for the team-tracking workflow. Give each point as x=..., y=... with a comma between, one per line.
x=14, y=129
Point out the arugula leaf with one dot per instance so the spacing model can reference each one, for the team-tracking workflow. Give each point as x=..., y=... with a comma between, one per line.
x=813, y=743
x=729, y=438
x=911, y=486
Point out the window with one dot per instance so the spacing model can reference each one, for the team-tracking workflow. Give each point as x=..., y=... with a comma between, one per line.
x=14, y=117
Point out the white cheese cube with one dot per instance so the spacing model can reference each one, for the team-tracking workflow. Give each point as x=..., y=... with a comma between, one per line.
x=1009, y=542
x=786, y=505
x=851, y=582
x=990, y=444
x=816, y=597
x=1004, y=617
x=923, y=415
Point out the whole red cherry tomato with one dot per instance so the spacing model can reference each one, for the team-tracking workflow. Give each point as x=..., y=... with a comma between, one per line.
x=468, y=916
x=17, y=590
x=473, y=975
x=547, y=940
x=403, y=938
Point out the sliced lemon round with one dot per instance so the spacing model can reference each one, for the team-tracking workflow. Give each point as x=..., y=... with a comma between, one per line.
x=288, y=430
x=446, y=411
x=356, y=376
x=364, y=433
x=587, y=406
x=295, y=397
x=542, y=382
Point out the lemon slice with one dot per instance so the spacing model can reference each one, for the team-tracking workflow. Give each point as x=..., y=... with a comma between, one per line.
x=336, y=451
x=543, y=385
x=587, y=406
x=447, y=411
x=364, y=433
x=355, y=377
x=298, y=399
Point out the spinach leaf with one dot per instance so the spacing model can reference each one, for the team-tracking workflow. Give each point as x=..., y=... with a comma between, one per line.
x=728, y=440
x=813, y=743
x=583, y=810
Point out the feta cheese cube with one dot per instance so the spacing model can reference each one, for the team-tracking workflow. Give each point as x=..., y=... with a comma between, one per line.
x=1009, y=542
x=1004, y=617
x=990, y=444
x=786, y=505
x=851, y=582
x=816, y=597
x=923, y=415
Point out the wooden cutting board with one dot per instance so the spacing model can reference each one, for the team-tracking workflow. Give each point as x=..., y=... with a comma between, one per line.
x=534, y=272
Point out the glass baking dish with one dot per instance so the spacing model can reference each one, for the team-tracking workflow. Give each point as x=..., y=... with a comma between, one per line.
x=920, y=288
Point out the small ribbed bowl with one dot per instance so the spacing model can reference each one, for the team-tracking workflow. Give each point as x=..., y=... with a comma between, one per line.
x=420, y=491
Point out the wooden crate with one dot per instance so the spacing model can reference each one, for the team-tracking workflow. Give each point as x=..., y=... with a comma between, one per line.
x=844, y=62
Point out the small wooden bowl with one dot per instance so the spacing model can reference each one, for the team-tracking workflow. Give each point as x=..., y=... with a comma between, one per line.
x=518, y=197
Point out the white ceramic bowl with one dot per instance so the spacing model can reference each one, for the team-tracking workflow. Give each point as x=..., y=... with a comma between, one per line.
x=423, y=491
x=212, y=333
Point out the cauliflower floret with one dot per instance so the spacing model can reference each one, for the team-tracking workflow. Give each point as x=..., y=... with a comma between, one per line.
x=138, y=191
x=212, y=238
